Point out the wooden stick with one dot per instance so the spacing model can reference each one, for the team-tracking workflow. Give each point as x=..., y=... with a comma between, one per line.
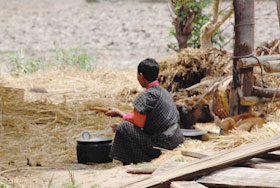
x=100, y=109
x=29, y=168
x=141, y=170
x=193, y=154
x=204, y=82
x=252, y=100
x=266, y=92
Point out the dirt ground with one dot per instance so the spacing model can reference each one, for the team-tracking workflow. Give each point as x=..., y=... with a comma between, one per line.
x=118, y=34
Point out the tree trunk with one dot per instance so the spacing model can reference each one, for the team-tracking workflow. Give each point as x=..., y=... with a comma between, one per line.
x=183, y=29
x=278, y=10
x=209, y=29
x=244, y=46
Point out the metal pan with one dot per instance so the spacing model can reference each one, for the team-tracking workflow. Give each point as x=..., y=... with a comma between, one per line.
x=193, y=132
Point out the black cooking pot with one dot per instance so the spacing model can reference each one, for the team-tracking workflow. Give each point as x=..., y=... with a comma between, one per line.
x=94, y=150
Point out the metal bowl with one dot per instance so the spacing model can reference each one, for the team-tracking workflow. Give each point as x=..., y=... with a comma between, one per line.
x=193, y=132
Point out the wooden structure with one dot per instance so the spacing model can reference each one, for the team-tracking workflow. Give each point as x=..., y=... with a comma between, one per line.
x=208, y=164
x=244, y=94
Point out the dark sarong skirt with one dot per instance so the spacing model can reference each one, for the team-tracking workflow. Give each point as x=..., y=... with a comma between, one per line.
x=132, y=145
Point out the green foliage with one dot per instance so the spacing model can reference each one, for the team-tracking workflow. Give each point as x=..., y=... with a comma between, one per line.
x=69, y=185
x=3, y=185
x=21, y=64
x=74, y=57
x=183, y=8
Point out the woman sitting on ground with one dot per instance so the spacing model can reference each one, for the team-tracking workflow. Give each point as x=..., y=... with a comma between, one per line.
x=153, y=123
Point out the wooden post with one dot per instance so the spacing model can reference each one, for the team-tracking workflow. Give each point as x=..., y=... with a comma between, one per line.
x=244, y=46
x=278, y=10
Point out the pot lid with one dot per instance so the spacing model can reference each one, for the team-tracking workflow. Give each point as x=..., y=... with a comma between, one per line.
x=95, y=139
x=86, y=136
x=193, y=132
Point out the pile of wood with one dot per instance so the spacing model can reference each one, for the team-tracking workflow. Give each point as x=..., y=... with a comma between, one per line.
x=243, y=166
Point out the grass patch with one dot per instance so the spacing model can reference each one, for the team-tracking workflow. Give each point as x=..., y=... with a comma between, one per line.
x=74, y=57
x=19, y=63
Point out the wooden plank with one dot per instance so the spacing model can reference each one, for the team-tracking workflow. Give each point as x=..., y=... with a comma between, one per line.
x=186, y=184
x=167, y=167
x=209, y=164
x=242, y=177
x=193, y=154
x=262, y=163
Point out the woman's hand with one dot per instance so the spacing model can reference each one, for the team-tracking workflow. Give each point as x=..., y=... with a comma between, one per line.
x=114, y=112
x=114, y=127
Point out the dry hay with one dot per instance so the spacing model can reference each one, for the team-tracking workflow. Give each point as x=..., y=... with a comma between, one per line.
x=237, y=138
x=268, y=48
x=190, y=66
x=269, y=109
x=73, y=85
x=44, y=126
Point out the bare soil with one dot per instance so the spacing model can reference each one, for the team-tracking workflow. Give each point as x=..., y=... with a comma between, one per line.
x=118, y=33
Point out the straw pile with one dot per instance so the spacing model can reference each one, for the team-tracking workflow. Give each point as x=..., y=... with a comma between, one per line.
x=191, y=65
x=43, y=127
